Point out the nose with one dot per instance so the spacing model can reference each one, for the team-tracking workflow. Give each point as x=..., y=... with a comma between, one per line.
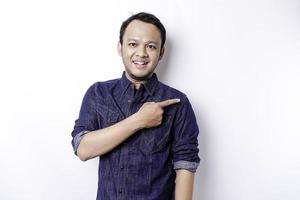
x=142, y=52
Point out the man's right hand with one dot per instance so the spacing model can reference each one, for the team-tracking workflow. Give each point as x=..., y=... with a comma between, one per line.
x=151, y=113
x=101, y=141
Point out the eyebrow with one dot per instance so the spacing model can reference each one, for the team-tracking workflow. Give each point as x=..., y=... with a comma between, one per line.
x=131, y=39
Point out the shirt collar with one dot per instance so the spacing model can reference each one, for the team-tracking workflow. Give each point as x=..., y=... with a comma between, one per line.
x=149, y=85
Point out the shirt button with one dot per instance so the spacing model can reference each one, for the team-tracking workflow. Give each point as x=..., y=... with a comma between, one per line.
x=121, y=167
x=120, y=190
x=129, y=101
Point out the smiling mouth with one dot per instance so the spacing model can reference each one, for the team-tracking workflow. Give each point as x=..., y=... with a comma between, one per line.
x=140, y=64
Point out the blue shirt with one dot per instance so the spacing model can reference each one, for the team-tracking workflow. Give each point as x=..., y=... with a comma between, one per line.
x=143, y=166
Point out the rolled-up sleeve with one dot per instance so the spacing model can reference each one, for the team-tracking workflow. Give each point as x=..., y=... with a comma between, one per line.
x=87, y=120
x=185, y=144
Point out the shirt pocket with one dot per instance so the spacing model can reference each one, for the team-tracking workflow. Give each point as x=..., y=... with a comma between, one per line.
x=156, y=139
x=106, y=116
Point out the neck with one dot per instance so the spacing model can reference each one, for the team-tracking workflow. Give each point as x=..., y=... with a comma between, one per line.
x=137, y=83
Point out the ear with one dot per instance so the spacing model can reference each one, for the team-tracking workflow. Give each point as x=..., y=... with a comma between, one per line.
x=120, y=49
x=162, y=52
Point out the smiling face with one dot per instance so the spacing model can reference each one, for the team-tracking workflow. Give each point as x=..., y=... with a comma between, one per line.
x=141, y=50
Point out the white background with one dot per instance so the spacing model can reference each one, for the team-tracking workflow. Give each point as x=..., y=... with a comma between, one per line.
x=237, y=60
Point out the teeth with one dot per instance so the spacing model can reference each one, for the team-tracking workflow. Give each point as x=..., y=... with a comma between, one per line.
x=139, y=62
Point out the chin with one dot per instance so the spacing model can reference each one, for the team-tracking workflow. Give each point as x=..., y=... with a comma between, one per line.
x=140, y=77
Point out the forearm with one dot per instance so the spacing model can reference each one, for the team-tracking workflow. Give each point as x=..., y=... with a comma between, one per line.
x=99, y=142
x=184, y=185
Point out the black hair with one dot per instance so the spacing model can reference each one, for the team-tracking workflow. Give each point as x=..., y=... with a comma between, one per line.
x=147, y=18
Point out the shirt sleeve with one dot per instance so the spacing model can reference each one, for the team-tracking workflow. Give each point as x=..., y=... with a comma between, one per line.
x=77, y=139
x=87, y=120
x=185, y=144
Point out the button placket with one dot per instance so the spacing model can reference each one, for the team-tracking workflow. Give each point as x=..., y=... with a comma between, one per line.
x=122, y=171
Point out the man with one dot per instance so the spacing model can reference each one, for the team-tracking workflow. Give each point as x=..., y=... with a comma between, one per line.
x=144, y=132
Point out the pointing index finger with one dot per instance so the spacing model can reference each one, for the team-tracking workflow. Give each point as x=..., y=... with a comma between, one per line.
x=168, y=102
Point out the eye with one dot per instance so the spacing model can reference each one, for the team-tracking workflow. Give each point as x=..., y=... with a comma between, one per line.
x=132, y=44
x=151, y=46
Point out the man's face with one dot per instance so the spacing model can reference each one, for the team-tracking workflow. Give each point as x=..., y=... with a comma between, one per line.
x=141, y=50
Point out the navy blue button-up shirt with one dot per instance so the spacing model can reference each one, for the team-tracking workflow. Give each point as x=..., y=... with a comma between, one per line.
x=143, y=166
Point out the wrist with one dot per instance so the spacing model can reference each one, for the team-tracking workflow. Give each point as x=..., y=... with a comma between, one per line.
x=137, y=121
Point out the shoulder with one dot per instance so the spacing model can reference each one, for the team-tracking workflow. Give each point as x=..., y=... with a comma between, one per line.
x=102, y=87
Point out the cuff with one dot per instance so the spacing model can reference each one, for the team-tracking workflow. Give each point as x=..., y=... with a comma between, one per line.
x=77, y=139
x=182, y=164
